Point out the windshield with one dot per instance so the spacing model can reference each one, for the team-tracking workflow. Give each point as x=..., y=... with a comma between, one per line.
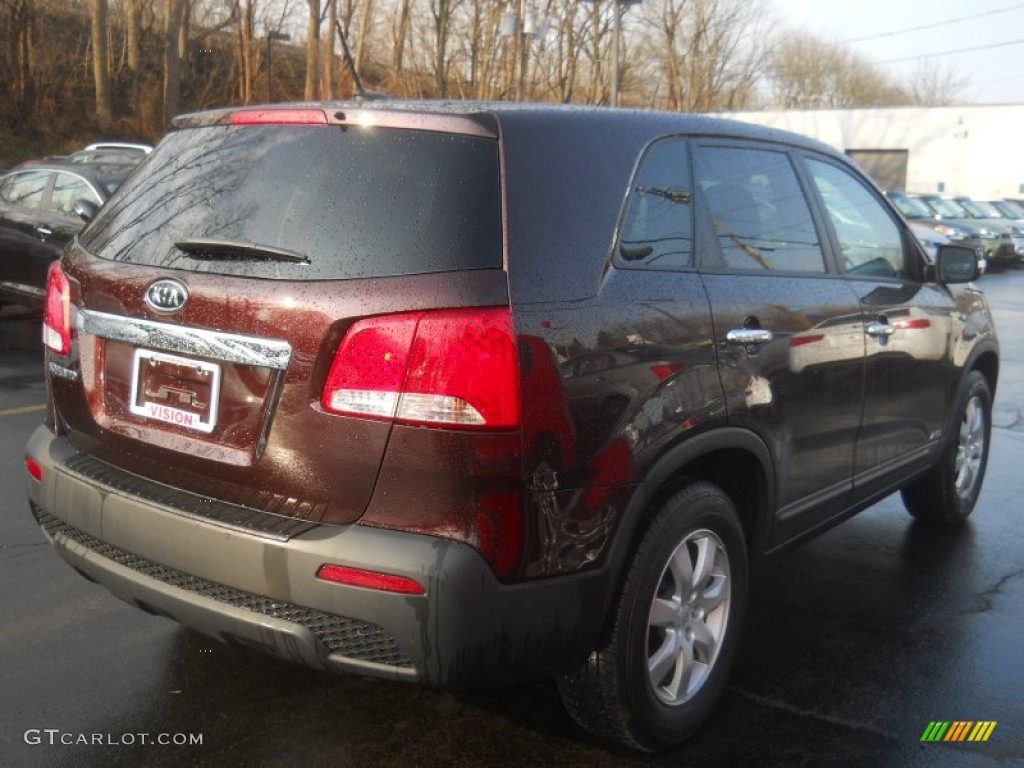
x=112, y=176
x=947, y=209
x=344, y=202
x=1009, y=209
x=980, y=210
x=911, y=208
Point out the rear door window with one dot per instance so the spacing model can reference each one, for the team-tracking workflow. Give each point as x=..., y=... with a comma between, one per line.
x=26, y=189
x=350, y=202
x=758, y=214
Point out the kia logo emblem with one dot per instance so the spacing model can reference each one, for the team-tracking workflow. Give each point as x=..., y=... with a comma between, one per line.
x=166, y=295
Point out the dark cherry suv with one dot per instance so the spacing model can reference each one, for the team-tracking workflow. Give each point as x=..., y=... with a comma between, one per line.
x=468, y=394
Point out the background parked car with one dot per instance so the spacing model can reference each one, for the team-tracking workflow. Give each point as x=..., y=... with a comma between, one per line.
x=112, y=152
x=995, y=234
x=922, y=219
x=931, y=240
x=986, y=211
x=37, y=219
x=120, y=146
x=1009, y=208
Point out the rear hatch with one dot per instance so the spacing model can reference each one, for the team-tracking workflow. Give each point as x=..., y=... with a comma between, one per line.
x=210, y=295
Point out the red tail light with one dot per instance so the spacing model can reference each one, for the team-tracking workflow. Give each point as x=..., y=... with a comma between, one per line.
x=57, y=311
x=454, y=368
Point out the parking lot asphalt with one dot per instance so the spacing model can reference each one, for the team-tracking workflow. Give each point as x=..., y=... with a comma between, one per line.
x=856, y=642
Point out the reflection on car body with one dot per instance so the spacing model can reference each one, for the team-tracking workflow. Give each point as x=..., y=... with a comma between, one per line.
x=37, y=219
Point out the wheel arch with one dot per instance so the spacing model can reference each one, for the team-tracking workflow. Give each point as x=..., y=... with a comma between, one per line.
x=984, y=358
x=736, y=460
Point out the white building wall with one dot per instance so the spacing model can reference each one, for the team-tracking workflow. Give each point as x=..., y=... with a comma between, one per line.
x=971, y=150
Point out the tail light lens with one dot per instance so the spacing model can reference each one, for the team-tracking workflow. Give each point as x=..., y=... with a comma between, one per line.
x=57, y=311
x=450, y=368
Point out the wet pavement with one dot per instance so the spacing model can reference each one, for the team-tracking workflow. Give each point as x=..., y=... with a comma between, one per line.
x=855, y=643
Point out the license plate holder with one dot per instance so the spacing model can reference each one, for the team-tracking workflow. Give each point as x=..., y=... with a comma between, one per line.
x=175, y=390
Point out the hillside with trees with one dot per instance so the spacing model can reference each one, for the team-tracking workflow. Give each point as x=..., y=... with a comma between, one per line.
x=75, y=70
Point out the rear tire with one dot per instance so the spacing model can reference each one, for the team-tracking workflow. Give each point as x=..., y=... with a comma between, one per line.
x=948, y=493
x=676, y=627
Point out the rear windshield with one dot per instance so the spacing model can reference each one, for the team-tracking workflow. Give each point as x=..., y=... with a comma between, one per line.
x=342, y=202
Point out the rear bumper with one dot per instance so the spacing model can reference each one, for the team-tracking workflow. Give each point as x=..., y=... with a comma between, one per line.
x=255, y=585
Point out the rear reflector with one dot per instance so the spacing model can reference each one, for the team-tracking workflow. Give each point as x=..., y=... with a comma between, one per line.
x=455, y=368
x=34, y=469
x=356, y=577
x=279, y=117
x=57, y=311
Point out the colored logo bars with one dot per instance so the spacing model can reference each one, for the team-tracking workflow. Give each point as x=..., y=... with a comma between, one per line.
x=958, y=730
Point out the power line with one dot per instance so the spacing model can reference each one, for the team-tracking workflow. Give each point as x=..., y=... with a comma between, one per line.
x=997, y=80
x=951, y=53
x=935, y=24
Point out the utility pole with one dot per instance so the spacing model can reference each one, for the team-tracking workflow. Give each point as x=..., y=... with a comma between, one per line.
x=522, y=26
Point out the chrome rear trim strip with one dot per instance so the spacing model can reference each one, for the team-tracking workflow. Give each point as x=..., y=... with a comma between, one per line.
x=199, y=342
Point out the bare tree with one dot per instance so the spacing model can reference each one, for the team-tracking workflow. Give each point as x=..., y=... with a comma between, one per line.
x=328, y=91
x=245, y=50
x=710, y=51
x=594, y=37
x=100, y=68
x=400, y=34
x=564, y=58
x=19, y=20
x=312, y=49
x=810, y=72
x=362, y=35
x=936, y=85
x=132, y=33
x=172, y=60
x=441, y=14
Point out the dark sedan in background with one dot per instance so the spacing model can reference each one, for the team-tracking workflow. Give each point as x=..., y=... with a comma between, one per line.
x=37, y=219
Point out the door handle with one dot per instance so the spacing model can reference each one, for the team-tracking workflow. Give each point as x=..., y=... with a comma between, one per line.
x=43, y=231
x=879, y=330
x=746, y=337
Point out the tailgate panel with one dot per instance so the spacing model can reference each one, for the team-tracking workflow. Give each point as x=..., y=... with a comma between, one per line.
x=271, y=446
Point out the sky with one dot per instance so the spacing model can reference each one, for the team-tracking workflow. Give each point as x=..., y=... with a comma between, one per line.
x=880, y=30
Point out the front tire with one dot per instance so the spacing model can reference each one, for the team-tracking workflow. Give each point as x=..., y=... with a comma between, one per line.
x=948, y=493
x=676, y=627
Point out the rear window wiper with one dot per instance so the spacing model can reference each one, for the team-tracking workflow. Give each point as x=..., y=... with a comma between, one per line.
x=214, y=248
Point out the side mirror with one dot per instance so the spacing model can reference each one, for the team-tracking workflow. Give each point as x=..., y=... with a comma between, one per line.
x=85, y=208
x=955, y=264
